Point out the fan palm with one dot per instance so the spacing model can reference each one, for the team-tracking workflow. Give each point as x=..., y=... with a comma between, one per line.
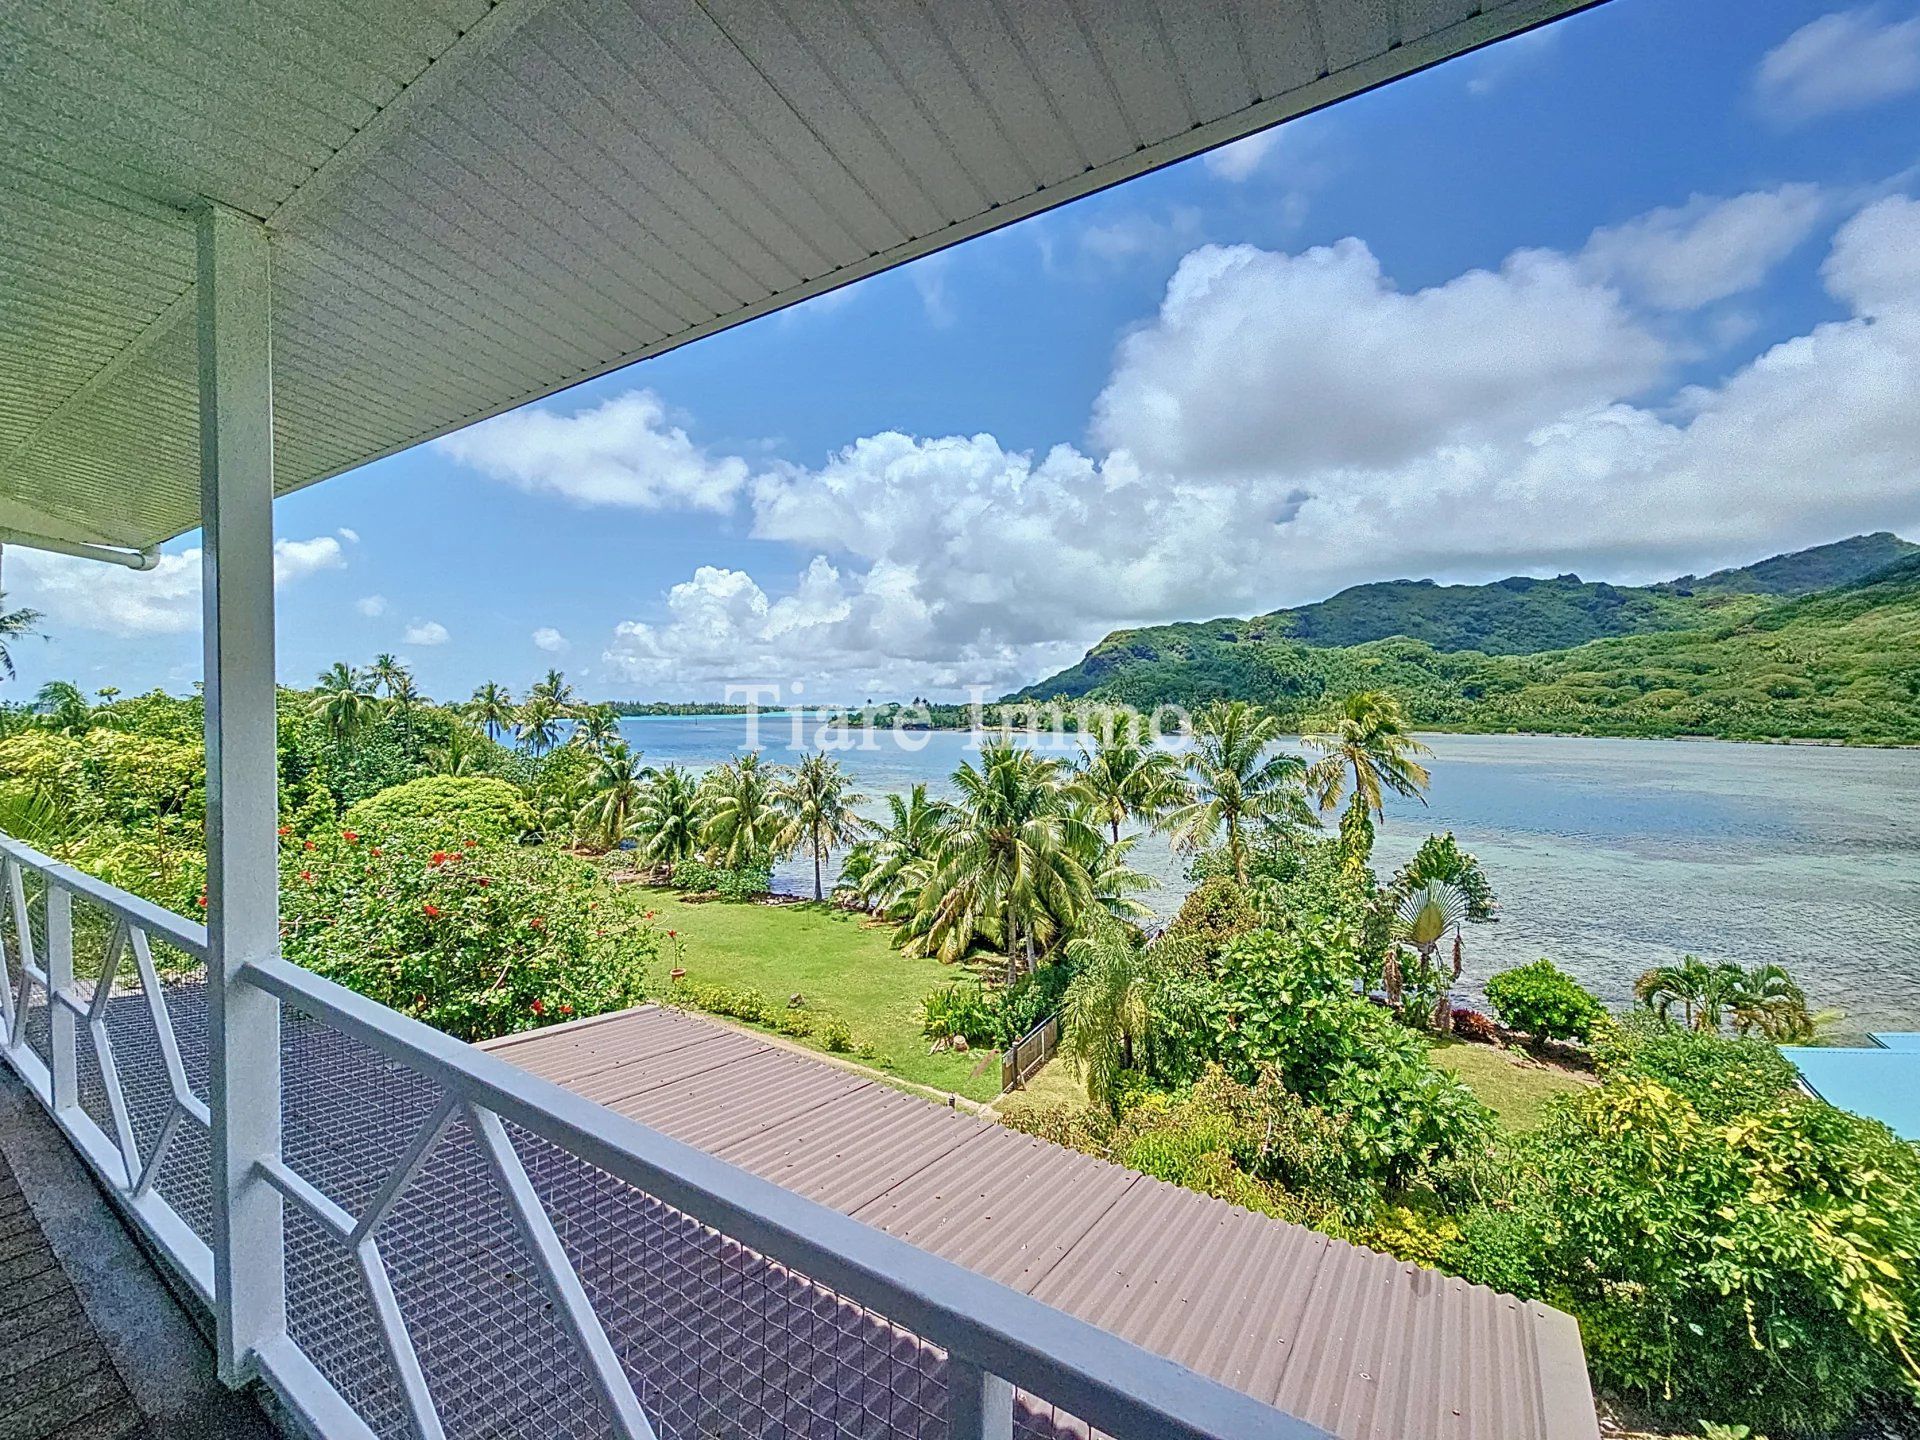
x=1422, y=920
x=667, y=820
x=1011, y=866
x=614, y=790
x=819, y=811
x=1365, y=735
x=743, y=823
x=14, y=625
x=1240, y=782
x=340, y=702
x=492, y=705
x=1121, y=779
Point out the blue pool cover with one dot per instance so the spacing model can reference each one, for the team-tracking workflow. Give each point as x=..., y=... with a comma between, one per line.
x=1882, y=1083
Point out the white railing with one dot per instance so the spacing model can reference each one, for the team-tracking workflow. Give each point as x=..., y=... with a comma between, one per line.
x=995, y=1340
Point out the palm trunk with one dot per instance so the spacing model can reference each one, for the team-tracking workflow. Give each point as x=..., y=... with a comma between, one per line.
x=818, y=893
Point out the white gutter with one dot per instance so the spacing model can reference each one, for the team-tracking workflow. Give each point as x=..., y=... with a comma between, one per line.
x=113, y=555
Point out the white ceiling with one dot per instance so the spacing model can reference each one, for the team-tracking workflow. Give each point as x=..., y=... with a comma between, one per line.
x=476, y=204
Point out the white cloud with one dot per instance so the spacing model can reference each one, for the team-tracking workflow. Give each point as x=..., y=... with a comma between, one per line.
x=1142, y=236
x=1842, y=61
x=371, y=606
x=1684, y=256
x=624, y=452
x=1262, y=363
x=91, y=595
x=1288, y=424
x=548, y=638
x=929, y=276
x=351, y=536
x=425, y=632
x=1239, y=159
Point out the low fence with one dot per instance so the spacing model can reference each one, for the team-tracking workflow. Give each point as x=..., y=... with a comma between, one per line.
x=1027, y=1054
x=439, y=1243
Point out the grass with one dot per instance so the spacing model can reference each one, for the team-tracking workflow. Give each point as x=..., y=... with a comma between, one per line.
x=843, y=964
x=1514, y=1088
x=1056, y=1084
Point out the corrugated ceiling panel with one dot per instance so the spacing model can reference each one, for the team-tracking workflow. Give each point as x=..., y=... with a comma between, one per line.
x=478, y=202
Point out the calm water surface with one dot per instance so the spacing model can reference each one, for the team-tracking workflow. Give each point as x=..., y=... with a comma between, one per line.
x=1607, y=855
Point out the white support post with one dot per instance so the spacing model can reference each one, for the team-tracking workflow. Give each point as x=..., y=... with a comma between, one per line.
x=243, y=871
x=64, y=1077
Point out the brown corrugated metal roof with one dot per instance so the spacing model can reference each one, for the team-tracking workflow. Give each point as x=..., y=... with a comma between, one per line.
x=1359, y=1343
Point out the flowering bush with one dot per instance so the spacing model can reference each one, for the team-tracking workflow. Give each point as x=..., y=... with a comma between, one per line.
x=481, y=939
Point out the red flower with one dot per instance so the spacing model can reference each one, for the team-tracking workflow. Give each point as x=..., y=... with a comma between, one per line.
x=566, y=1009
x=538, y=1008
x=307, y=875
x=649, y=914
x=352, y=837
x=286, y=829
x=537, y=923
x=484, y=881
x=376, y=851
x=433, y=910
x=306, y=844
x=673, y=934
x=439, y=857
x=468, y=844
x=201, y=902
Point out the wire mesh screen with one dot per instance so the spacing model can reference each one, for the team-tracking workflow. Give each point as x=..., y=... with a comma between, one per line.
x=719, y=1341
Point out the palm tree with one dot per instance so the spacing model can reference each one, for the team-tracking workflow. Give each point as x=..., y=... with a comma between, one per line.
x=898, y=860
x=613, y=794
x=341, y=703
x=14, y=624
x=387, y=672
x=405, y=697
x=1766, y=999
x=668, y=818
x=464, y=752
x=554, y=689
x=1114, y=883
x=820, y=812
x=1011, y=866
x=1107, y=1013
x=1703, y=992
x=62, y=707
x=1121, y=779
x=743, y=825
x=1365, y=734
x=538, y=724
x=597, y=729
x=1240, y=781
x=492, y=705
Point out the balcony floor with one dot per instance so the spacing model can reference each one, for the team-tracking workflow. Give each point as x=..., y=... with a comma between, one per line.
x=92, y=1345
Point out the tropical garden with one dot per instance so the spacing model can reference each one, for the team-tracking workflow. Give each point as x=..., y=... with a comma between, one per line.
x=1735, y=1252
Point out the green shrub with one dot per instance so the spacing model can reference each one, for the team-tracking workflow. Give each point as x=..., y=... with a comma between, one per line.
x=797, y=1023
x=963, y=1009
x=1765, y=1271
x=1723, y=1078
x=835, y=1035
x=745, y=882
x=1214, y=913
x=1286, y=1001
x=1545, y=1002
x=450, y=809
x=478, y=941
x=1419, y=1236
x=1406, y=1118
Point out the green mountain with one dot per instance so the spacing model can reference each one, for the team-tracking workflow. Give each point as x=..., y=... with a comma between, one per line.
x=1840, y=663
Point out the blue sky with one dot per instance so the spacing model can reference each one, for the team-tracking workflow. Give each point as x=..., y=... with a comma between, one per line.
x=1634, y=295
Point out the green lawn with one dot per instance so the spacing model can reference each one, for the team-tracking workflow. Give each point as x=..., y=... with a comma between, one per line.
x=842, y=964
x=1517, y=1089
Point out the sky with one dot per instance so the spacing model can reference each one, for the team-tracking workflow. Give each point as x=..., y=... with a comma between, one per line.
x=1631, y=296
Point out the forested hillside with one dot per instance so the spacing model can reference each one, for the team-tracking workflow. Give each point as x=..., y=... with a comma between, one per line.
x=1839, y=664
